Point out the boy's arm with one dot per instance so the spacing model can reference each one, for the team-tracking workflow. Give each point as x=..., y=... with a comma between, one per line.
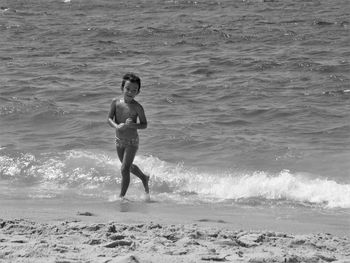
x=111, y=115
x=142, y=119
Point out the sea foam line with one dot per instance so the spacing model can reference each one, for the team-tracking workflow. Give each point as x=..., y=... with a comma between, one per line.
x=225, y=186
x=88, y=170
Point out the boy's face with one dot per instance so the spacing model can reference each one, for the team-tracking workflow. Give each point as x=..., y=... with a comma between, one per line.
x=130, y=90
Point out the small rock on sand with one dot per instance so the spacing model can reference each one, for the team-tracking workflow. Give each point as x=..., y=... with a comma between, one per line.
x=119, y=243
x=85, y=214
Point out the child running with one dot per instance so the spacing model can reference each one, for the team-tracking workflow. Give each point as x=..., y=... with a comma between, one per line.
x=123, y=116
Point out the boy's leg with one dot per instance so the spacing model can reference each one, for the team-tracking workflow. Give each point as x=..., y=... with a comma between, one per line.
x=144, y=178
x=126, y=155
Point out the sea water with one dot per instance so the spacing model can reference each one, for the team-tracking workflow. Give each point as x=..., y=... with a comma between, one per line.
x=247, y=101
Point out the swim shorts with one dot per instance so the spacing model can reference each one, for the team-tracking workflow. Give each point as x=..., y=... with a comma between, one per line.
x=134, y=142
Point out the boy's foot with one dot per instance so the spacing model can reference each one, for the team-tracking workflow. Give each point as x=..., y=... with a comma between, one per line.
x=124, y=200
x=147, y=197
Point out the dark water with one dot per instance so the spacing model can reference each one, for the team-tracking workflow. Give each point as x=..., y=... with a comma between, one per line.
x=247, y=101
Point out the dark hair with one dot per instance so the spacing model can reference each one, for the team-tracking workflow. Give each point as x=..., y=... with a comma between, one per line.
x=133, y=78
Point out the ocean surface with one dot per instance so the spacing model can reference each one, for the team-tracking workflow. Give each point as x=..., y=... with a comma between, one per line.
x=248, y=101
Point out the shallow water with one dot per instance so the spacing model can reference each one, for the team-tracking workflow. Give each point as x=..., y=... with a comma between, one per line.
x=247, y=101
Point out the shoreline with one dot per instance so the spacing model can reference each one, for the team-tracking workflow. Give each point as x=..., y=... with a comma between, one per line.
x=95, y=231
x=289, y=220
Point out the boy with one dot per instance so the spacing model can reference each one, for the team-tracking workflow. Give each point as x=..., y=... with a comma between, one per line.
x=123, y=117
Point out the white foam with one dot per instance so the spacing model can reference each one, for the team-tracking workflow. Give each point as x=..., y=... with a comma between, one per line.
x=281, y=186
x=99, y=174
x=224, y=186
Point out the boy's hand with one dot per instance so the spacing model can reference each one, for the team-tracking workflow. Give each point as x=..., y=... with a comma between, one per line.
x=129, y=121
x=121, y=126
x=126, y=125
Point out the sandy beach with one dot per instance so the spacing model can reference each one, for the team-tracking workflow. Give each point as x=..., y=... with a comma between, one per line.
x=62, y=231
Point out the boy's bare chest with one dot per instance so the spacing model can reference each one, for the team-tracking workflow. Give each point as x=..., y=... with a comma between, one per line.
x=124, y=111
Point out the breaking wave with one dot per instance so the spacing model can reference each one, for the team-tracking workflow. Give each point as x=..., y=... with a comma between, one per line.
x=97, y=175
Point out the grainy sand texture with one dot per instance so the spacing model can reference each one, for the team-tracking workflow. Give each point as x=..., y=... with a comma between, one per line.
x=58, y=232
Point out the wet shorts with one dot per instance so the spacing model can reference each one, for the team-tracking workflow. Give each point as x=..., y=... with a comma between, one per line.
x=134, y=142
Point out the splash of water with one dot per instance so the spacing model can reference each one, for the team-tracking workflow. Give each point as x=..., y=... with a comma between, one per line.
x=97, y=174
